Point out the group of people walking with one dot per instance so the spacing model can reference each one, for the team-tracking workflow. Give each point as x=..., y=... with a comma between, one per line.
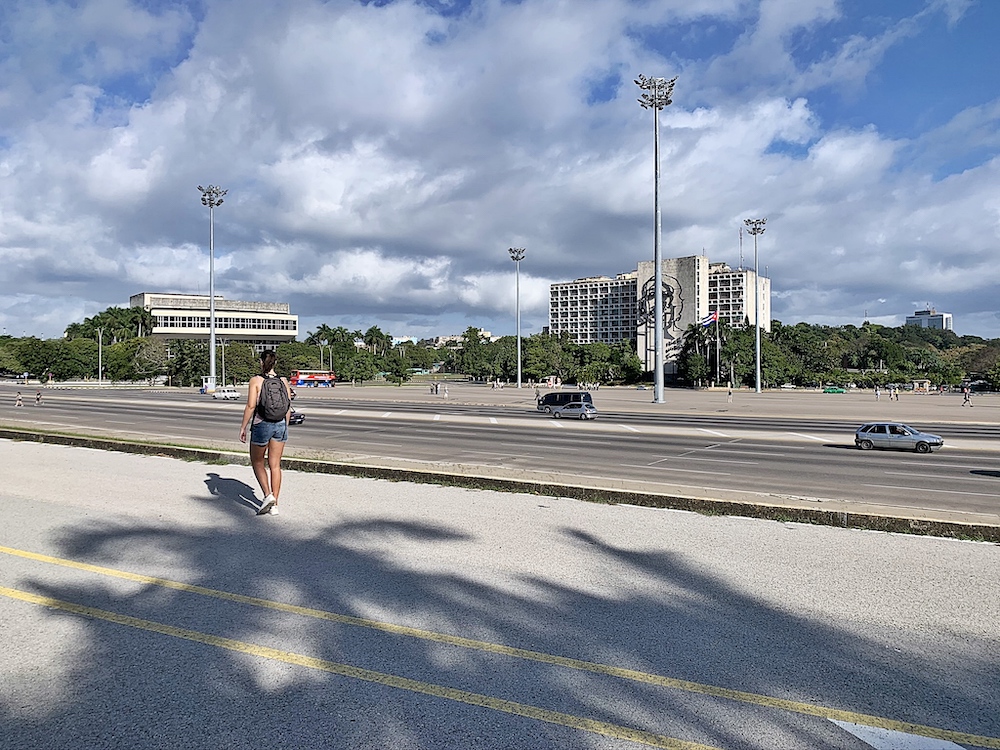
x=18, y=401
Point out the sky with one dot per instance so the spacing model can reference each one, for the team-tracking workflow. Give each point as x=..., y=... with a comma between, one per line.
x=381, y=157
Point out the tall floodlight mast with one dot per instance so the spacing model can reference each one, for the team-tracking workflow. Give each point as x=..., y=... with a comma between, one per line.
x=517, y=255
x=211, y=197
x=756, y=227
x=656, y=93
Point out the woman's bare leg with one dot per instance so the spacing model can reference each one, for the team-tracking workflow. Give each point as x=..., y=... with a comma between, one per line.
x=258, y=460
x=274, y=450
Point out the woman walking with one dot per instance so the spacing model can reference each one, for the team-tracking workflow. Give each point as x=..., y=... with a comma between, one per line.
x=269, y=404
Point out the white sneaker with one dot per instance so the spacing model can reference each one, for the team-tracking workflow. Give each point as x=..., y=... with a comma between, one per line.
x=274, y=510
x=266, y=506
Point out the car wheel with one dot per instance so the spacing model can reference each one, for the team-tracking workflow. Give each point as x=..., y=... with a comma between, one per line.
x=557, y=414
x=548, y=409
x=923, y=448
x=866, y=445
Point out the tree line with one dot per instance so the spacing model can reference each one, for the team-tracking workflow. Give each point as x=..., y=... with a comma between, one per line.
x=801, y=354
x=813, y=355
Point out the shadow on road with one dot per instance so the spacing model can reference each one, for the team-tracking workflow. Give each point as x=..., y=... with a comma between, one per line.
x=131, y=688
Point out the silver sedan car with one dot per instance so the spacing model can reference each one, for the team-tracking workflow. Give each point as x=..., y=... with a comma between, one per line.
x=575, y=410
x=895, y=435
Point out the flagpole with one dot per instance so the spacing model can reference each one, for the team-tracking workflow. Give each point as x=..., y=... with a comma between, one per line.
x=718, y=377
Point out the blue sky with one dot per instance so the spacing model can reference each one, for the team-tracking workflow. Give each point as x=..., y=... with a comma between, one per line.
x=381, y=157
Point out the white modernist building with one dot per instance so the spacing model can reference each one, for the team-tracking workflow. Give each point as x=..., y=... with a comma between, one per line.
x=930, y=319
x=262, y=325
x=594, y=309
x=608, y=310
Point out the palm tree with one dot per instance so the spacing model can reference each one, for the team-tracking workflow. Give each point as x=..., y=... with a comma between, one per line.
x=321, y=336
x=341, y=335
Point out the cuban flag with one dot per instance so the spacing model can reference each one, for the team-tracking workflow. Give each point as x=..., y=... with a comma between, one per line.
x=712, y=317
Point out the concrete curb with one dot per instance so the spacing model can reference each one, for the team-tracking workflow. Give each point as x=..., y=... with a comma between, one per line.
x=706, y=506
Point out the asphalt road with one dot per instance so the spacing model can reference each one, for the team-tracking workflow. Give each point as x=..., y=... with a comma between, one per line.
x=144, y=605
x=787, y=447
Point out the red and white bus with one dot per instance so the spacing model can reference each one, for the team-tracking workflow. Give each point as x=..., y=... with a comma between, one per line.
x=313, y=378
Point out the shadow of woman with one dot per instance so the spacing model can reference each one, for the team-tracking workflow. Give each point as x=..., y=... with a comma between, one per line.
x=232, y=489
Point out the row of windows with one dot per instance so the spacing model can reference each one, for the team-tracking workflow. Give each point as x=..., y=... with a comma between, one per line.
x=201, y=322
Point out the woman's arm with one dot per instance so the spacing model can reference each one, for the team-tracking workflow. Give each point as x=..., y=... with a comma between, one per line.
x=288, y=390
x=253, y=394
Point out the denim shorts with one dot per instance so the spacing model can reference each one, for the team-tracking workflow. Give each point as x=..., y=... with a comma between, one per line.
x=264, y=432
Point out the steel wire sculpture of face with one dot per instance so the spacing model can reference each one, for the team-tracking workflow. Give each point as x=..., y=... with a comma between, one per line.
x=673, y=303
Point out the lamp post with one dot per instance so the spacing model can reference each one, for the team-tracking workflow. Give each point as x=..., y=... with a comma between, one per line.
x=100, y=357
x=656, y=93
x=211, y=197
x=222, y=345
x=517, y=255
x=756, y=227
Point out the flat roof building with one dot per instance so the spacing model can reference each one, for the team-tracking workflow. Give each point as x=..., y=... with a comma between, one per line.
x=262, y=325
x=930, y=319
x=604, y=309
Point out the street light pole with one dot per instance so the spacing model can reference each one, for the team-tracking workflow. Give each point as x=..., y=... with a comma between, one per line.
x=756, y=227
x=100, y=353
x=211, y=197
x=517, y=255
x=656, y=93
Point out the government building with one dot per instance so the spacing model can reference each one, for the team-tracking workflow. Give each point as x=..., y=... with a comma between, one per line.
x=262, y=325
x=608, y=310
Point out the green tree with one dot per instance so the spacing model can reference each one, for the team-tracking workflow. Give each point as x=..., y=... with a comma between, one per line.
x=151, y=359
x=242, y=363
x=10, y=363
x=397, y=365
x=189, y=362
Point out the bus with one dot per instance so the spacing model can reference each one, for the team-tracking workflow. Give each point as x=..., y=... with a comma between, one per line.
x=313, y=378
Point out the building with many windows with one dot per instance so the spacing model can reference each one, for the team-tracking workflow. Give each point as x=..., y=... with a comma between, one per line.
x=262, y=325
x=930, y=319
x=594, y=309
x=602, y=309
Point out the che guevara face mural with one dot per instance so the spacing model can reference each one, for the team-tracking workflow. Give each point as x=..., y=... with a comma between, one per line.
x=673, y=303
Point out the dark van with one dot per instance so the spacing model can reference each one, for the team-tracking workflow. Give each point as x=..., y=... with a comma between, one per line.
x=559, y=398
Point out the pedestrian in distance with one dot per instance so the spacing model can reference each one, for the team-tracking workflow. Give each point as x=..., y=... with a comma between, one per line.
x=38, y=398
x=268, y=408
x=729, y=394
x=17, y=400
x=878, y=392
x=966, y=397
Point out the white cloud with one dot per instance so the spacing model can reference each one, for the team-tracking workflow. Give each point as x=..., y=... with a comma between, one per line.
x=381, y=158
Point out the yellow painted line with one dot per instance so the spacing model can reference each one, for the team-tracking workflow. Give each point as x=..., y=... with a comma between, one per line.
x=604, y=728
x=537, y=656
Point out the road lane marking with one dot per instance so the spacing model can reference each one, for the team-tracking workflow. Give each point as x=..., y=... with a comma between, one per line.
x=886, y=739
x=386, y=414
x=744, y=452
x=607, y=729
x=437, y=417
x=628, y=427
x=624, y=673
x=493, y=420
x=556, y=423
x=689, y=457
x=991, y=480
x=928, y=489
x=808, y=437
x=713, y=432
x=673, y=468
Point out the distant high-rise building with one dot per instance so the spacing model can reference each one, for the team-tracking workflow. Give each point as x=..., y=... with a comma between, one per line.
x=930, y=319
x=605, y=309
x=594, y=309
